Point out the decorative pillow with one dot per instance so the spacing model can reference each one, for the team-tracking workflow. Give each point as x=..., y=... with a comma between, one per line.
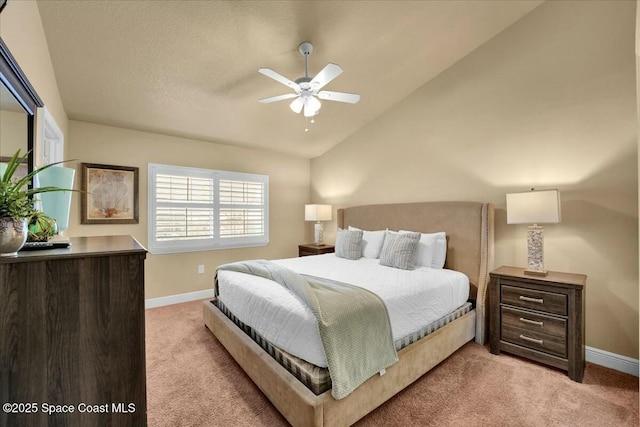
x=432, y=249
x=371, y=242
x=399, y=250
x=349, y=244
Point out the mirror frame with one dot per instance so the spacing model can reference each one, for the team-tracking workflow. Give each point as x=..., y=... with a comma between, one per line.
x=14, y=79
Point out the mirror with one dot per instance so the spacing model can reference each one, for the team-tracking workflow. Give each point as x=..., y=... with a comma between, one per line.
x=13, y=127
x=18, y=104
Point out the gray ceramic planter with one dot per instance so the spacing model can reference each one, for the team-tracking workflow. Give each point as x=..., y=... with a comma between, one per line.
x=13, y=234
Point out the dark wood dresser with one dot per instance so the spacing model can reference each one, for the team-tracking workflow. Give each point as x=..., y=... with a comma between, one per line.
x=72, y=350
x=539, y=317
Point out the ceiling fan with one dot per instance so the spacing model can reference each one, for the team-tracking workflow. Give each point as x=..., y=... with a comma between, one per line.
x=307, y=89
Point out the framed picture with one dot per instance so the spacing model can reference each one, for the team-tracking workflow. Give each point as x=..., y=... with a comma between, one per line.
x=109, y=194
x=22, y=170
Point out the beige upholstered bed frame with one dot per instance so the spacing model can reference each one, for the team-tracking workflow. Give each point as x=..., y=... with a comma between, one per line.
x=469, y=228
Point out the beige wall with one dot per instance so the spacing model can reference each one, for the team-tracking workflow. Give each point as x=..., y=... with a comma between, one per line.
x=177, y=273
x=548, y=103
x=22, y=31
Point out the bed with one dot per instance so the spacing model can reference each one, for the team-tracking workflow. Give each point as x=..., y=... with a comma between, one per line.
x=469, y=230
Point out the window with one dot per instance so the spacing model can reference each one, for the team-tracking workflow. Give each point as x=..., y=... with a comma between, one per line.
x=200, y=209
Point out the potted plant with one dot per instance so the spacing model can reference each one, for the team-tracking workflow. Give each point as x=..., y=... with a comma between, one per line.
x=17, y=204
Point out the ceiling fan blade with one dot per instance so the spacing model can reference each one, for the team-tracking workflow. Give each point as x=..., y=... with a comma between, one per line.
x=279, y=78
x=351, y=98
x=297, y=105
x=278, y=98
x=328, y=73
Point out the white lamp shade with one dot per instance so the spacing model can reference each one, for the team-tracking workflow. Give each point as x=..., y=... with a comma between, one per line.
x=57, y=204
x=296, y=105
x=317, y=212
x=533, y=207
x=311, y=106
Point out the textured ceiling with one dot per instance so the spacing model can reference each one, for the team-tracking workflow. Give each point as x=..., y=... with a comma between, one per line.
x=190, y=68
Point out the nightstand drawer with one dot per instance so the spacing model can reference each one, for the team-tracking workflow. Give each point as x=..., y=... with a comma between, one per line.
x=535, y=340
x=534, y=322
x=535, y=300
x=313, y=249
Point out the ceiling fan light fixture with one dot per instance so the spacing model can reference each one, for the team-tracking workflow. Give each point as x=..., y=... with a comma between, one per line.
x=296, y=105
x=309, y=112
x=306, y=88
x=311, y=106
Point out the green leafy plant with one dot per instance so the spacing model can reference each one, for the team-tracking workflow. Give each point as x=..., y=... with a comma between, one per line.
x=16, y=199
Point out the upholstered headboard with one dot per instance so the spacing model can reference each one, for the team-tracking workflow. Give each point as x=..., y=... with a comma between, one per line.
x=470, y=231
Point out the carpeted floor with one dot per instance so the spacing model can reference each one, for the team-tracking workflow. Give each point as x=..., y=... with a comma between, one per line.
x=192, y=381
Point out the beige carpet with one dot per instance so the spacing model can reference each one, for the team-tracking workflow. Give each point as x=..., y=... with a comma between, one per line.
x=192, y=381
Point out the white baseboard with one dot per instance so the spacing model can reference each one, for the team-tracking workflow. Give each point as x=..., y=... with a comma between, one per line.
x=176, y=299
x=612, y=360
x=594, y=355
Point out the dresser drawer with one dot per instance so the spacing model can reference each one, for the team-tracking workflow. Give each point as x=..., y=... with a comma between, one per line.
x=534, y=322
x=549, y=302
x=535, y=340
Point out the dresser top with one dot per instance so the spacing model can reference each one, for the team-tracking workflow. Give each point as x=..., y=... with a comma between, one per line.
x=82, y=247
x=551, y=277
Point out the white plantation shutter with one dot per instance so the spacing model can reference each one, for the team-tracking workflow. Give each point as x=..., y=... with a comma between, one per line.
x=241, y=212
x=199, y=209
x=184, y=207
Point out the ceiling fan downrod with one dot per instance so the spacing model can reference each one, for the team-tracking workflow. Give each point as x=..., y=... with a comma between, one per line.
x=305, y=49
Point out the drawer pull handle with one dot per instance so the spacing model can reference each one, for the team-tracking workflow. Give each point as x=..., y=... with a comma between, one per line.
x=529, y=299
x=531, y=322
x=526, y=338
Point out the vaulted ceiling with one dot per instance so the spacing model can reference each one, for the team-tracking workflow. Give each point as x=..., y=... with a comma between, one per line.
x=190, y=68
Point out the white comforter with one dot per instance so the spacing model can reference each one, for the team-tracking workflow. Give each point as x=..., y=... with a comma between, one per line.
x=413, y=298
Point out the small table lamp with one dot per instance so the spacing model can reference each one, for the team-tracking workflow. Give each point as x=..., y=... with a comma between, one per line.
x=317, y=213
x=534, y=207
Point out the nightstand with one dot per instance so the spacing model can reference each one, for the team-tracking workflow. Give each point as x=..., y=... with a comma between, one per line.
x=540, y=318
x=313, y=249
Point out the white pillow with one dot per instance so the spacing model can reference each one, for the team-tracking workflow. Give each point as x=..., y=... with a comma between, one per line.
x=432, y=249
x=372, y=242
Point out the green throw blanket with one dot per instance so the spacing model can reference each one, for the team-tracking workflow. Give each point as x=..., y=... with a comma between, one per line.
x=353, y=323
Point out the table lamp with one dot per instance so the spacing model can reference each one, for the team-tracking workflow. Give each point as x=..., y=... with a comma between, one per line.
x=534, y=207
x=317, y=213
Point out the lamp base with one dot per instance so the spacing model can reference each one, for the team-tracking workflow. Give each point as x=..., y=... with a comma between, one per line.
x=318, y=233
x=535, y=250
